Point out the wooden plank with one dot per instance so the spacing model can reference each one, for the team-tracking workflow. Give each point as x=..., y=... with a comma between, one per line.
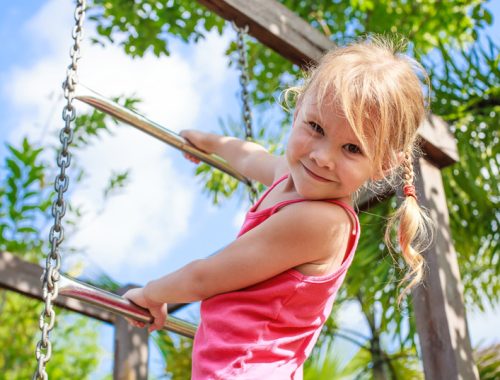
x=275, y=26
x=24, y=277
x=438, y=142
x=438, y=303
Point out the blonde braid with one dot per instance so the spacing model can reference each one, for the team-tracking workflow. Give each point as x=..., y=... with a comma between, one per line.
x=413, y=230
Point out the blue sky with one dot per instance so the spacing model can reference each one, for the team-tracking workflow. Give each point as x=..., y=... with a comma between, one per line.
x=161, y=221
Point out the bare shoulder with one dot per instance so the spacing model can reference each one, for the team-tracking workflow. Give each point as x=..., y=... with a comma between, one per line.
x=319, y=215
x=321, y=229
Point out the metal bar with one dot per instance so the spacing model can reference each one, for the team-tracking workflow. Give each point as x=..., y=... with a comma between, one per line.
x=142, y=123
x=114, y=303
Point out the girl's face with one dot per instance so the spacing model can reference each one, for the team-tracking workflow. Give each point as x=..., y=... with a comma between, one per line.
x=323, y=153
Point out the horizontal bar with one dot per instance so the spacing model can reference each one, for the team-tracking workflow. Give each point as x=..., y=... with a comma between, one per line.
x=142, y=123
x=72, y=288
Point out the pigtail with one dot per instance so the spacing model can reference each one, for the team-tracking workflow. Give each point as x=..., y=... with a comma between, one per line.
x=413, y=230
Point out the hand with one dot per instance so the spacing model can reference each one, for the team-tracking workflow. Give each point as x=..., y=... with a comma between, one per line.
x=194, y=138
x=158, y=310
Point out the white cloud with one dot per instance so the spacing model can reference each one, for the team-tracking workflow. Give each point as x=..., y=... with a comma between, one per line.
x=140, y=226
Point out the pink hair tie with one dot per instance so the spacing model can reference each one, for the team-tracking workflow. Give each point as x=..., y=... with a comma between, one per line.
x=409, y=191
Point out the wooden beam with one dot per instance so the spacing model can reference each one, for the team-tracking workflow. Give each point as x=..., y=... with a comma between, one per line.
x=275, y=26
x=438, y=142
x=24, y=277
x=438, y=302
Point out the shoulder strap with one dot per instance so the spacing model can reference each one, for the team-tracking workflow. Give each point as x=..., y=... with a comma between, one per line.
x=279, y=180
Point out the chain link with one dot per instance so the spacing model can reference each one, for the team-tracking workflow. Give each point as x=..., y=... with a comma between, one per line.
x=50, y=275
x=245, y=95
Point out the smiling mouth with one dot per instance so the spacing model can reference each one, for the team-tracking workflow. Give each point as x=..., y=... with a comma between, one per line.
x=315, y=176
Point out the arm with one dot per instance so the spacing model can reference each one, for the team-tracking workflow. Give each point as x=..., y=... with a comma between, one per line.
x=298, y=234
x=248, y=158
x=301, y=233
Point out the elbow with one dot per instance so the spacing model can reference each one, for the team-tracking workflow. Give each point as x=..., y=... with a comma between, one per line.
x=199, y=280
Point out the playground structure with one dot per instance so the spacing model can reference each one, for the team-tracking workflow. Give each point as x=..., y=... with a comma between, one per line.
x=439, y=306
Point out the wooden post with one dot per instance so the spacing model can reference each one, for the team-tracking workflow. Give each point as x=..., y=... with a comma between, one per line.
x=438, y=302
x=131, y=349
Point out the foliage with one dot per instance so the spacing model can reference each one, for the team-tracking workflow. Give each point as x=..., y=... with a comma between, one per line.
x=488, y=362
x=19, y=333
x=24, y=199
x=143, y=26
x=178, y=351
x=324, y=365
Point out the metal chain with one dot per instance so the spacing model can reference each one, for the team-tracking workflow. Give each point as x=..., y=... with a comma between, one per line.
x=50, y=275
x=245, y=96
x=243, y=66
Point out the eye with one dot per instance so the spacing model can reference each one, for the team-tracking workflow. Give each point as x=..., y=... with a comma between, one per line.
x=352, y=148
x=316, y=128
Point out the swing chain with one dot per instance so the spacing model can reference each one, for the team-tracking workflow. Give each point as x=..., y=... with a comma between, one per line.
x=244, y=79
x=245, y=96
x=50, y=275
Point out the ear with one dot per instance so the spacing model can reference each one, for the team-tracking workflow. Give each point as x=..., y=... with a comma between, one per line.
x=400, y=156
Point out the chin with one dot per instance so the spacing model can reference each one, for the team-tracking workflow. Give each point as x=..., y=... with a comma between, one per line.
x=312, y=194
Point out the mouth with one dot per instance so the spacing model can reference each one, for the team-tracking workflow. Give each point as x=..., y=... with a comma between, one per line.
x=315, y=176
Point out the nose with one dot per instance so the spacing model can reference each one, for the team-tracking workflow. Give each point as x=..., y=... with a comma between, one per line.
x=323, y=157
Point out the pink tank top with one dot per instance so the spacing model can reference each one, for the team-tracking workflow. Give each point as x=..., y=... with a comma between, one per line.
x=267, y=330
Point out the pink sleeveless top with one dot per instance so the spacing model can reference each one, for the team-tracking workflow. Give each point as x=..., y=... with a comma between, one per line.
x=267, y=330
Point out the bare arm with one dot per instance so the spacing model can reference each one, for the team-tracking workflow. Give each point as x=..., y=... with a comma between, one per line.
x=298, y=234
x=248, y=158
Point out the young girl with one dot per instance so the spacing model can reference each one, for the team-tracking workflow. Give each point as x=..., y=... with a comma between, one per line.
x=266, y=296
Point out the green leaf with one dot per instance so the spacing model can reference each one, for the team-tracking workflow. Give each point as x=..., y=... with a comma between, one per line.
x=14, y=167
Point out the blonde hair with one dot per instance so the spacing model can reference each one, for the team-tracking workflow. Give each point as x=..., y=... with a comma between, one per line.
x=380, y=94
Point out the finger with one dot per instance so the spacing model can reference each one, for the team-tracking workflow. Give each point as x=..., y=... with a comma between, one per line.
x=159, y=314
x=155, y=326
x=191, y=158
x=135, y=323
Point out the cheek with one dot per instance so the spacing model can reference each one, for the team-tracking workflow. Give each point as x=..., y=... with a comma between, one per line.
x=293, y=146
x=360, y=172
x=300, y=143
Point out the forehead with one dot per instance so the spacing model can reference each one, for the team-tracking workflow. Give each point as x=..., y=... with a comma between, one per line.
x=325, y=111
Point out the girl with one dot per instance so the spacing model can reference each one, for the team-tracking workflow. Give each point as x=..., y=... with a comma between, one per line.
x=266, y=296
